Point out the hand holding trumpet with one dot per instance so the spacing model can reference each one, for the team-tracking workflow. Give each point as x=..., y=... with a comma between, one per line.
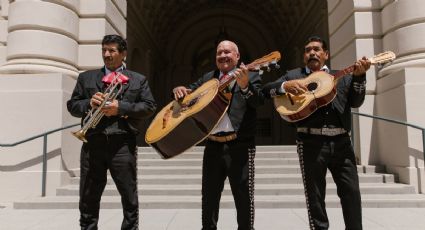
x=110, y=108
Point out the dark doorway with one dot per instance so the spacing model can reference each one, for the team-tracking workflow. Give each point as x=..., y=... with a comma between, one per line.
x=173, y=43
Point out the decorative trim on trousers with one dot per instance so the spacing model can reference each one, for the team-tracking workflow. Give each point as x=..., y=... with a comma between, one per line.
x=251, y=181
x=300, y=150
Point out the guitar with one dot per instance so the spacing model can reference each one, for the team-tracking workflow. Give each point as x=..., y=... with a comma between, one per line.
x=184, y=123
x=321, y=91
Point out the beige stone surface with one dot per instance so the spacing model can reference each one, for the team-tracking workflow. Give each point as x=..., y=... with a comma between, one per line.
x=54, y=18
x=92, y=30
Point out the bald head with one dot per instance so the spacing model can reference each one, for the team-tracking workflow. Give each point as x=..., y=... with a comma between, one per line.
x=230, y=44
x=227, y=56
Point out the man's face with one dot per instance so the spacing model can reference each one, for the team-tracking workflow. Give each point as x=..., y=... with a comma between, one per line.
x=315, y=56
x=227, y=56
x=112, y=57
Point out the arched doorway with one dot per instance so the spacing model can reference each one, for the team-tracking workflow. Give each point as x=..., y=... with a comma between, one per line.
x=179, y=38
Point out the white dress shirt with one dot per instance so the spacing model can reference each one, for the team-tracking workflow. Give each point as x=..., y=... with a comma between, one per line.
x=224, y=125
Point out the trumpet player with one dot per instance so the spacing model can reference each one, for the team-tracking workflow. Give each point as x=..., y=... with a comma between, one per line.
x=111, y=101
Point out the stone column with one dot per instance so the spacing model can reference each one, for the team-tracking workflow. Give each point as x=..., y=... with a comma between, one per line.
x=365, y=28
x=42, y=37
x=43, y=47
x=41, y=54
x=400, y=91
x=4, y=9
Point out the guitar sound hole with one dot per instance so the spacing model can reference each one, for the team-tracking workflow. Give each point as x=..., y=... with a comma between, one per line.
x=312, y=86
x=192, y=102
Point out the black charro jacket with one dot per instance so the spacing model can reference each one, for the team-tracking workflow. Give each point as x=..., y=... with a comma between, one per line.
x=350, y=94
x=135, y=103
x=242, y=110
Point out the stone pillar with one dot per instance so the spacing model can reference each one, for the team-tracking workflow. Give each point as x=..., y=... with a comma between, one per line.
x=43, y=47
x=41, y=54
x=400, y=91
x=98, y=18
x=4, y=9
x=43, y=37
x=368, y=27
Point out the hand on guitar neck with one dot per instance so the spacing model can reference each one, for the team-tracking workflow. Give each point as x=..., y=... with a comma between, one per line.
x=241, y=76
x=361, y=66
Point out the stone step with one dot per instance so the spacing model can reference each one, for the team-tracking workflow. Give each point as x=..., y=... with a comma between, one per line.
x=194, y=162
x=259, y=148
x=260, y=189
x=200, y=154
x=184, y=170
x=259, y=169
x=276, y=178
x=190, y=202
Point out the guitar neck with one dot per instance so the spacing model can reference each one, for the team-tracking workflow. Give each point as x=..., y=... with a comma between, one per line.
x=231, y=74
x=256, y=65
x=343, y=72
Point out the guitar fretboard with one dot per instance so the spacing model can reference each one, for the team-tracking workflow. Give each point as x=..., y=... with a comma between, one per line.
x=344, y=72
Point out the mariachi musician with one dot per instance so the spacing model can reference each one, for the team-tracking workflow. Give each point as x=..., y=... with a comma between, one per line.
x=323, y=140
x=230, y=149
x=110, y=138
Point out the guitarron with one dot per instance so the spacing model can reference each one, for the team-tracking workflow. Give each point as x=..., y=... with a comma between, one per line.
x=184, y=123
x=321, y=91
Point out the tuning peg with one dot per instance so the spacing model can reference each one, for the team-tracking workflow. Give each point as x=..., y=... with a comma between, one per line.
x=260, y=72
x=274, y=62
x=268, y=68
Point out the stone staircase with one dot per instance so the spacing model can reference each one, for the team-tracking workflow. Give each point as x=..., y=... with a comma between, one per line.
x=176, y=184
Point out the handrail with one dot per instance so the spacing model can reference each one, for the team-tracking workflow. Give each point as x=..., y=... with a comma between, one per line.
x=392, y=121
x=44, y=135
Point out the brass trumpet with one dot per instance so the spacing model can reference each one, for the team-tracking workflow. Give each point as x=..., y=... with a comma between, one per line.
x=95, y=114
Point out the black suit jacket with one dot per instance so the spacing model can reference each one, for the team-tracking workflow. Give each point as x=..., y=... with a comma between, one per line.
x=350, y=94
x=135, y=102
x=242, y=109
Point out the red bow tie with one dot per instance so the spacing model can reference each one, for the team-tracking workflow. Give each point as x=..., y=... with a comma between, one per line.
x=107, y=79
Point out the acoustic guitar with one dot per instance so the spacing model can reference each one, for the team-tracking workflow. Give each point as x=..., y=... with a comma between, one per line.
x=321, y=91
x=184, y=123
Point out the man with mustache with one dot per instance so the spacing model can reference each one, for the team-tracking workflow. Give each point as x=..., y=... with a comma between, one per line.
x=323, y=140
x=230, y=149
x=111, y=145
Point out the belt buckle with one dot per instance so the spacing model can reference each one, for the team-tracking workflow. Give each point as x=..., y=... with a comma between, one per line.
x=332, y=131
x=226, y=138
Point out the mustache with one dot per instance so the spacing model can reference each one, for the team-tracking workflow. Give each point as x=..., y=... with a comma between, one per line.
x=313, y=59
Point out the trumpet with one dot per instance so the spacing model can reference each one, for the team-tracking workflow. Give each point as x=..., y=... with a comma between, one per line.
x=95, y=114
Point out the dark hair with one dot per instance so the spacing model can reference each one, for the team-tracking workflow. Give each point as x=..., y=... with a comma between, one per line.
x=317, y=39
x=113, y=38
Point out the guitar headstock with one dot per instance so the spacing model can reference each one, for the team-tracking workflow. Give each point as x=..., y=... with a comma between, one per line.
x=382, y=58
x=265, y=62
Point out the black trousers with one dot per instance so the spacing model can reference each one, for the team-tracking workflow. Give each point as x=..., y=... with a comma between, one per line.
x=317, y=154
x=117, y=153
x=235, y=160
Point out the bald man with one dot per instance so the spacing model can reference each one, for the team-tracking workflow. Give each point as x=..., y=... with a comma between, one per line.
x=230, y=149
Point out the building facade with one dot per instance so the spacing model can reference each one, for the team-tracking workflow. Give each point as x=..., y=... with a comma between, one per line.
x=45, y=44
